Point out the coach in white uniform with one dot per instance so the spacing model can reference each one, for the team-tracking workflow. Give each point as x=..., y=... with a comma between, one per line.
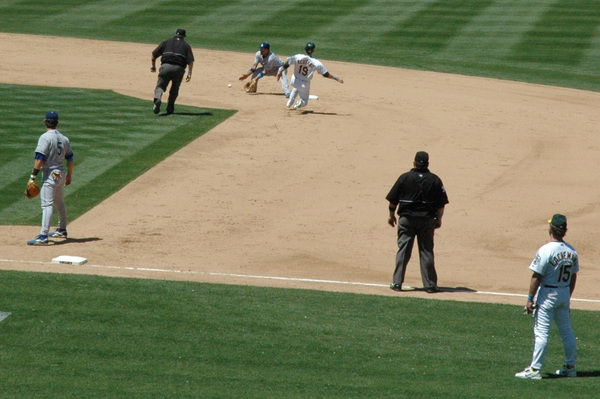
x=555, y=269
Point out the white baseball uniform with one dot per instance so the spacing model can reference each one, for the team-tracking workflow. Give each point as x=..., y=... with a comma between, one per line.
x=304, y=68
x=557, y=262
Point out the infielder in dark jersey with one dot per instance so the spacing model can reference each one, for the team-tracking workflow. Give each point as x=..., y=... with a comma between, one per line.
x=420, y=198
x=175, y=55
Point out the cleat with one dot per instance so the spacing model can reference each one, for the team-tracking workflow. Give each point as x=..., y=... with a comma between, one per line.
x=567, y=372
x=396, y=287
x=529, y=374
x=170, y=108
x=156, y=106
x=39, y=240
x=58, y=233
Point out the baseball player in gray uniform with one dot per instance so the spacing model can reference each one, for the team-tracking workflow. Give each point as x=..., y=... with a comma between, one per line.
x=53, y=149
x=270, y=66
x=305, y=65
x=555, y=269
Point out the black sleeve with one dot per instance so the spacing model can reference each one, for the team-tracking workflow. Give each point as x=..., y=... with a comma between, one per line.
x=395, y=192
x=159, y=50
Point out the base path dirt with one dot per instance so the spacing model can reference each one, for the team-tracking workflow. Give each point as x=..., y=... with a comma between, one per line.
x=297, y=199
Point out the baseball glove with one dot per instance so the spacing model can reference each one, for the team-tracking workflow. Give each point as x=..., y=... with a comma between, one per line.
x=250, y=87
x=32, y=190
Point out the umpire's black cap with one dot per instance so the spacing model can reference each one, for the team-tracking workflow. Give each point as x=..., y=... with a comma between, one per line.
x=180, y=32
x=422, y=159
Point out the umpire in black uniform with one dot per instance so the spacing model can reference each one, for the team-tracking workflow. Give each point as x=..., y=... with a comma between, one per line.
x=175, y=55
x=420, y=198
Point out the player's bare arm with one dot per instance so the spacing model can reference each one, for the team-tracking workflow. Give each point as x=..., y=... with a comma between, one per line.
x=284, y=67
x=250, y=72
x=534, y=284
x=70, y=165
x=334, y=77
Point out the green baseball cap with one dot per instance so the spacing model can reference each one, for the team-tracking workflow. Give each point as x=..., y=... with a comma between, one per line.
x=559, y=221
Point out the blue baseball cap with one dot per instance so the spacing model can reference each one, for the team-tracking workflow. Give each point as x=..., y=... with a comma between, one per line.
x=265, y=45
x=51, y=115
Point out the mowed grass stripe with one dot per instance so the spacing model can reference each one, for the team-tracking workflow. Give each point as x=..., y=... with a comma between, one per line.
x=435, y=25
x=91, y=16
x=562, y=34
x=311, y=14
x=491, y=35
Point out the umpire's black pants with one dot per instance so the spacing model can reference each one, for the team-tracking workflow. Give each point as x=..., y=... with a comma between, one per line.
x=421, y=228
x=169, y=73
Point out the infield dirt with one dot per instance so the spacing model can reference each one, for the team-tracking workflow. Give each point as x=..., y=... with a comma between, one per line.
x=299, y=197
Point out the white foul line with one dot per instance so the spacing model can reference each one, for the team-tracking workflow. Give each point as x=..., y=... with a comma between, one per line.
x=296, y=279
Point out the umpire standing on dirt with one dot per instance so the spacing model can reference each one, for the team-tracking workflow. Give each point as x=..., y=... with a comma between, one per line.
x=175, y=55
x=419, y=197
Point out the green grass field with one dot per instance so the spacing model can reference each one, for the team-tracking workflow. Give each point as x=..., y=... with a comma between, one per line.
x=92, y=337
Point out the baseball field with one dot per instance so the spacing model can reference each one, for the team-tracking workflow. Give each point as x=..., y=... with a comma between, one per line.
x=257, y=236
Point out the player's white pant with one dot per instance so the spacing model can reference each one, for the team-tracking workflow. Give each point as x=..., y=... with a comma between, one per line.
x=553, y=303
x=301, y=89
x=52, y=195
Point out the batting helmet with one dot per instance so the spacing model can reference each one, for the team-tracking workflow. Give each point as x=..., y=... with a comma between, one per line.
x=309, y=48
x=265, y=46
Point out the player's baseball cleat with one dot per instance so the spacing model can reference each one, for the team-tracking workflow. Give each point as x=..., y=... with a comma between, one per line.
x=58, y=233
x=39, y=240
x=298, y=104
x=529, y=374
x=396, y=287
x=567, y=372
x=156, y=106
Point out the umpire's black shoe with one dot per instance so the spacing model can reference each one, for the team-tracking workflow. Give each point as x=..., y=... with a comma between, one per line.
x=170, y=108
x=432, y=290
x=156, y=106
x=396, y=287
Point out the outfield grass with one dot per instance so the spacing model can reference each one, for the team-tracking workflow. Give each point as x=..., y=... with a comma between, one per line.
x=109, y=151
x=85, y=336
x=553, y=42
